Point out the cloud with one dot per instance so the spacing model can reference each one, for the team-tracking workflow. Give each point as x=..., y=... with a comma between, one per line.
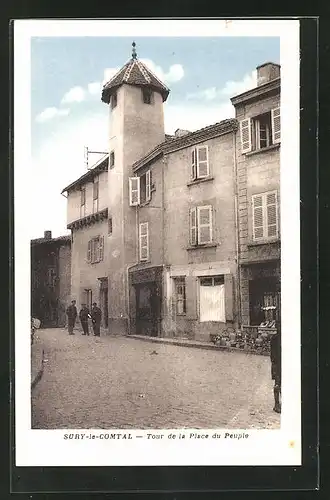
x=174, y=74
x=248, y=82
x=76, y=94
x=230, y=89
x=94, y=88
x=50, y=113
x=108, y=74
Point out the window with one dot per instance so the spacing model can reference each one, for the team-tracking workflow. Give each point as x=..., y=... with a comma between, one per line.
x=95, y=250
x=199, y=162
x=144, y=241
x=110, y=226
x=95, y=195
x=140, y=189
x=201, y=225
x=261, y=131
x=112, y=159
x=147, y=96
x=113, y=100
x=265, y=216
x=180, y=295
x=212, y=299
x=51, y=277
x=82, y=202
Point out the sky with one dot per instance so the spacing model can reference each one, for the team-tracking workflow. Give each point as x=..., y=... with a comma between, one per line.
x=67, y=75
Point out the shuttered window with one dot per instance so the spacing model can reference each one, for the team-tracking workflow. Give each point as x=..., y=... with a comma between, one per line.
x=265, y=216
x=134, y=191
x=95, y=250
x=144, y=241
x=95, y=195
x=82, y=202
x=199, y=162
x=276, y=125
x=148, y=185
x=201, y=225
x=246, y=142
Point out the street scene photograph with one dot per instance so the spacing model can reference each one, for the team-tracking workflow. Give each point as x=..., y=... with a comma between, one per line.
x=155, y=235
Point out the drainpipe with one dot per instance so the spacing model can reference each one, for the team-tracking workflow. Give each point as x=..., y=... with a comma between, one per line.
x=238, y=287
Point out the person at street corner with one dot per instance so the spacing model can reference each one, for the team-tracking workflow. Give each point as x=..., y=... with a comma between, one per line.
x=275, y=358
x=83, y=316
x=72, y=316
x=96, y=319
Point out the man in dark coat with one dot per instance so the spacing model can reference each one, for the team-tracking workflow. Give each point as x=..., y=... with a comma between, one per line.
x=72, y=316
x=83, y=316
x=275, y=357
x=96, y=319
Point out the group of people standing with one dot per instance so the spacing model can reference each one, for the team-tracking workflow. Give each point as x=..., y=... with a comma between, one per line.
x=84, y=315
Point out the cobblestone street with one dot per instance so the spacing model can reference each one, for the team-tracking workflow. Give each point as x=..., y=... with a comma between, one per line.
x=118, y=382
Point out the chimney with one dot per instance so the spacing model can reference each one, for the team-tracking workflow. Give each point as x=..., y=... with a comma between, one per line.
x=267, y=72
x=181, y=132
x=48, y=235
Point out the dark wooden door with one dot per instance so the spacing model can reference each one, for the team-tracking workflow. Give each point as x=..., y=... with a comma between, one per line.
x=147, y=309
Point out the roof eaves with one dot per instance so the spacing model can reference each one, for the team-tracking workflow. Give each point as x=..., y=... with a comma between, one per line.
x=256, y=91
x=89, y=174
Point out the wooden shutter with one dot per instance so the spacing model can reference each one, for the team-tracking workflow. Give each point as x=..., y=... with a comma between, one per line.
x=193, y=226
x=258, y=216
x=82, y=196
x=144, y=241
x=148, y=185
x=89, y=251
x=271, y=211
x=229, y=297
x=245, y=126
x=101, y=247
x=276, y=125
x=202, y=162
x=134, y=191
x=204, y=224
x=193, y=164
x=95, y=188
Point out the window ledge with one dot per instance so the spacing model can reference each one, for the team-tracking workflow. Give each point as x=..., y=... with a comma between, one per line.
x=263, y=150
x=263, y=242
x=202, y=179
x=200, y=247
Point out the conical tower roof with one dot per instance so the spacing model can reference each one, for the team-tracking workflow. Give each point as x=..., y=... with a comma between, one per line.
x=134, y=72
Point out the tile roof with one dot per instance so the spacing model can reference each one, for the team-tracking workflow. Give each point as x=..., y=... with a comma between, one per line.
x=100, y=166
x=134, y=72
x=64, y=238
x=174, y=143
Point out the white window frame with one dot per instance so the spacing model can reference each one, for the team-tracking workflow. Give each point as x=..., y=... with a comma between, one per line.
x=199, y=225
x=134, y=189
x=264, y=206
x=195, y=162
x=143, y=233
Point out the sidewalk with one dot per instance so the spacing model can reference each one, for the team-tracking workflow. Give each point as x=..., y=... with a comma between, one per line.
x=192, y=343
x=37, y=360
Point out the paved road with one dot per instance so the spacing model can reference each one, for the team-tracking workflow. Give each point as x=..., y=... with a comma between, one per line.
x=116, y=382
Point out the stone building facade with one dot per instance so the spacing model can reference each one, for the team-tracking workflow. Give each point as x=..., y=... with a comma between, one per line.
x=258, y=185
x=50, y=279
x=172, y=246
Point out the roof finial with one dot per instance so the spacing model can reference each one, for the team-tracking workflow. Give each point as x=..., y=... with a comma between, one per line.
x=134, y=54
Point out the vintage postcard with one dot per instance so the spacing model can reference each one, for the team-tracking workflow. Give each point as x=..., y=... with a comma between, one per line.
x=157, y=245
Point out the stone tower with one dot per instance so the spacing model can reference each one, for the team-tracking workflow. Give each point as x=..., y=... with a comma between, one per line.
x=135, y=97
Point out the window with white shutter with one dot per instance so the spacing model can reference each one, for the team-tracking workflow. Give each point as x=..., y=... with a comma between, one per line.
x=204, y=224
x=95, y=250
x=101, y=248
x=193, y=164
x=134, y=191
x=201, y=225
x=144, y=241
x=265, y=216
x=148, y=185
x=276, y=125
x=89, y=251
x=82, y=202
x=200, y=162
x=246, y=142
x=193, y=226
x=95, y=195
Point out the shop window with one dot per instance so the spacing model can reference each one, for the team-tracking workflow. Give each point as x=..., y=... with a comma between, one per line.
x=212, y=299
